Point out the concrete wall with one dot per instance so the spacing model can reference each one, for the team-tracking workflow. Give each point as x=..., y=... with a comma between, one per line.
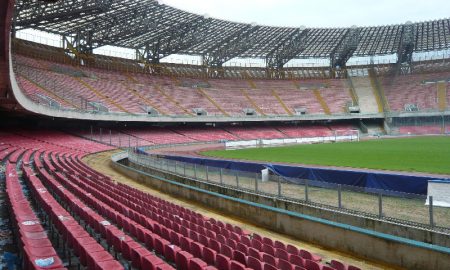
x=363, y=243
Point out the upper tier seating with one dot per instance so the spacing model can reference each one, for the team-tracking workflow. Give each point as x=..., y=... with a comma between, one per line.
x=78, y=87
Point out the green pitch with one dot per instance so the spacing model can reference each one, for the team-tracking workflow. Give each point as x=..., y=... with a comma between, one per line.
x=416, y=154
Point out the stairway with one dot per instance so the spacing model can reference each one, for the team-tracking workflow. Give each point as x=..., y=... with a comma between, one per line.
x=171, y=99
x=255, y=106
x=205, y=94
x=100, y=95
x=322, y=102
x=275, y=94
x=366, y=95
x=143, y=98
x=51, y=94
x=442, y=96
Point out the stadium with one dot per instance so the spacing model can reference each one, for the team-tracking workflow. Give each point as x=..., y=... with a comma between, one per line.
x=261, y=147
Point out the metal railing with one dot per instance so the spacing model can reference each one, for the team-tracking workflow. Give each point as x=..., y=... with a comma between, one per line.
x=402, y=208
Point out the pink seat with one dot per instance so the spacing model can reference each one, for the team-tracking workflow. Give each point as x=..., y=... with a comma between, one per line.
x=254, y=263
x=292, y=249
x=234, y=265
x=223, y=262
x=297, y=260
x=239, y=256
x=285, y=265
x=109, y=265
x=209, y=256
x=268, y=249
x=136, y=256
x=282, y=254
x=170, y=252
x=197, y=264
x=269, y=259
x=150, y=261
x=197, y=249
x=312, y=265
x=308, y=255
x=182, y=260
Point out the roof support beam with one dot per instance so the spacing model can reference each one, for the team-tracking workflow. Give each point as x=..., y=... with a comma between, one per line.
x=345, y=49
x=230, y=48
x=177, y=38
x=35, y=13
x=285, y=52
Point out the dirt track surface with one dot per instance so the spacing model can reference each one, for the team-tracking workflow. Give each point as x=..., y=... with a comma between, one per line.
x=101, y=162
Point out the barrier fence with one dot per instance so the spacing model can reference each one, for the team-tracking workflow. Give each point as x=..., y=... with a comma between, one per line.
x=402, y=208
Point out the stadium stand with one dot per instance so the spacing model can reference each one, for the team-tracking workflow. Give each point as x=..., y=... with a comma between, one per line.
x=55, y=198
x=224, y=97
x=138, y=229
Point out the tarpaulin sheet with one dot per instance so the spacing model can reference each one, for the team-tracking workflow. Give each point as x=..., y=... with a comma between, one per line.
x=364, y=179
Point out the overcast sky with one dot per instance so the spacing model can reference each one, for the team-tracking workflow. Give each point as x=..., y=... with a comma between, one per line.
x=318, y=13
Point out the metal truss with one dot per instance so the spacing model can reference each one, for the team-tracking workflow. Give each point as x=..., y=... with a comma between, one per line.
x=232, y=47
x=157, y=30
x=345, y=49
x=287, y=50
x=33, y=13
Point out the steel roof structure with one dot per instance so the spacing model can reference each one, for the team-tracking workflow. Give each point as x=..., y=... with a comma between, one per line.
x=157, y=30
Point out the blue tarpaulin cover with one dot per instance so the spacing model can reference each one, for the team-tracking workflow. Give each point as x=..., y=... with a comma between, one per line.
x=370, y=180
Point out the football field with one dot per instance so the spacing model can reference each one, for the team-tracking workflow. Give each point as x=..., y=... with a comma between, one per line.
x=415, y=154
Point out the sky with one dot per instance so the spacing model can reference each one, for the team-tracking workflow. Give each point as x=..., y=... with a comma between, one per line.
x=318, y=13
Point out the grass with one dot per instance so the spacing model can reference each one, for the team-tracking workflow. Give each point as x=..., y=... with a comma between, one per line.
x=415, y=154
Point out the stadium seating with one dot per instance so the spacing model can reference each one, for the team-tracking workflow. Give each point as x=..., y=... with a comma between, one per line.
x=133, y=224
x=73, y=87
x=420, y=130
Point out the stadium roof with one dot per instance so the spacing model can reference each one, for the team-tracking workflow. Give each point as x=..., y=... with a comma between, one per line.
x=159, y=30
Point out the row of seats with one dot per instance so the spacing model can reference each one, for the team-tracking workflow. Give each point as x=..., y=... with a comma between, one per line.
x=199, y=244
x=146, y=231
x=37, y=250
x=91, y=254
x=134, y=92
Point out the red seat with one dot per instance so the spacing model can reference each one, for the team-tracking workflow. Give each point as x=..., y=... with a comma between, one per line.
x=285, y=265
x=308, y=255
x=256, y=244
x=268, y=241
x=109, y=265
x=197, y=250
x=185, y=243
x=338, y=265
x=279, y=245
x=269, y=267
x=254, y=263
x=312, y=265
x=127, y=246
x=197, y=264
x=209, y=256
x=269, y=259
x=96, y=257
x=239, y=256
x=268, y=249
x=234, y=265
x=170, y=252
x=226, y=250
x=223, y=262
x=297, y=260
x=282, y=254
x=136, y=256
x=159, y=245
x=182, y=260
x=255, y=253
x=150, y=262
